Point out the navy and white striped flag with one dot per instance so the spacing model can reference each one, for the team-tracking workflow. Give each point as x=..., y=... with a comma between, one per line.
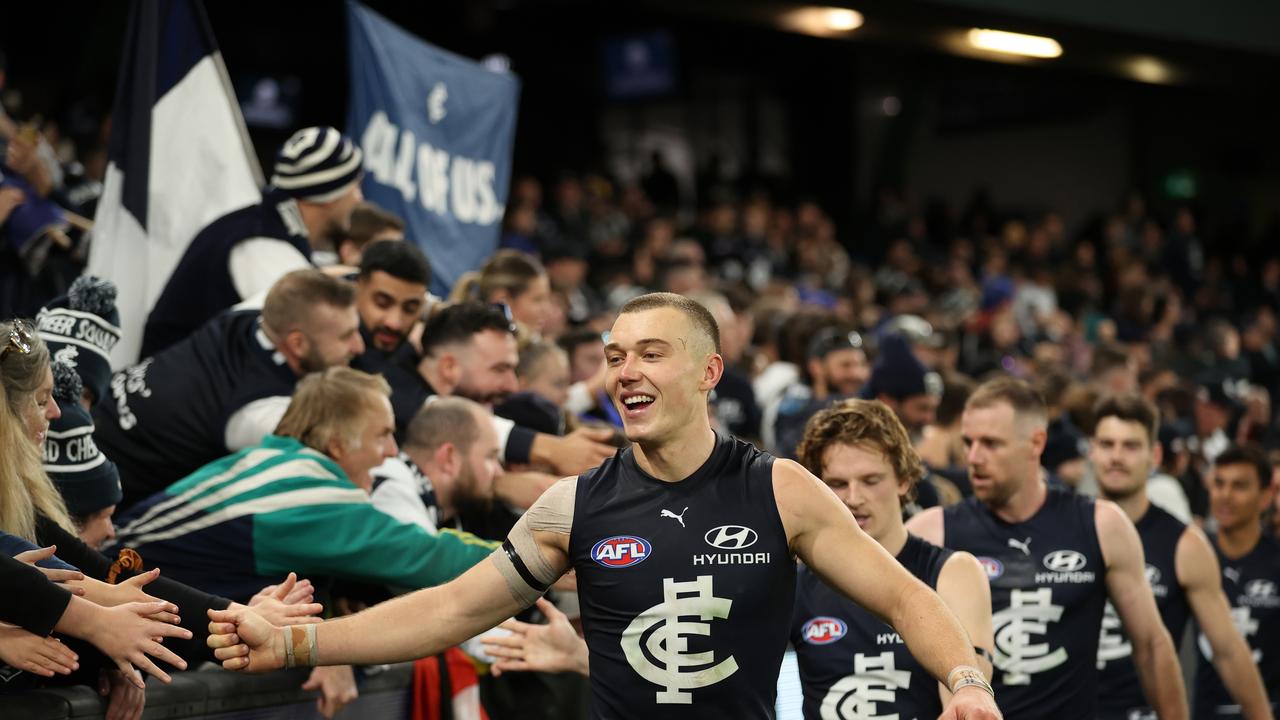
x=178, y=158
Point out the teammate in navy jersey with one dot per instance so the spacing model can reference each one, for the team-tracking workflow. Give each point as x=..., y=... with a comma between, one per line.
x=1053, y=558
x=1239, y=493
x=683, y=545
x=852, y=664
x=1180, y=565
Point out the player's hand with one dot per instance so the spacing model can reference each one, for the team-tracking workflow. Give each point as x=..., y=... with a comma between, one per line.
x=43, y=656
x=554, y=647
x=31, y=557
x=243, y=640
x=971, y=703
x=337, y=686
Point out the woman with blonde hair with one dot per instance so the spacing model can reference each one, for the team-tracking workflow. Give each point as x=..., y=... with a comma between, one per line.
x=32, y=510
x=513, y=278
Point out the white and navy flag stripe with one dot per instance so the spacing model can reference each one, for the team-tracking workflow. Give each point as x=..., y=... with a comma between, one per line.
x=179, y=157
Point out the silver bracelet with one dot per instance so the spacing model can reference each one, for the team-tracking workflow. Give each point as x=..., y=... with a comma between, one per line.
x=969, y=677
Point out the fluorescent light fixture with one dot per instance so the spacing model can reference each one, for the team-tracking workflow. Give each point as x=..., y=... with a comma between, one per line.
x=1011, y=43
x=821, y=21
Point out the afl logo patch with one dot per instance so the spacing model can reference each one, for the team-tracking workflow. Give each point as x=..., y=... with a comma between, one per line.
x=993, y=567
x=621, y=551
x=823, y=630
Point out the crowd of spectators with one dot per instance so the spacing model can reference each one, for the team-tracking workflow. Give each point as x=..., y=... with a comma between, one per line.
x=253, y=440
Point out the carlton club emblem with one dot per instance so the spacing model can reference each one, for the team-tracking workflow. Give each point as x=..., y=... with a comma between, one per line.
x=656, y=643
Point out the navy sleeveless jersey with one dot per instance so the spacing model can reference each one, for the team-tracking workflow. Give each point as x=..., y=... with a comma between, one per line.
x=1120, y=695
x=200, y=286
x=686, y=588
x=167, y=416
x=1252, y=586
x=1048, y=588
x=852, y=663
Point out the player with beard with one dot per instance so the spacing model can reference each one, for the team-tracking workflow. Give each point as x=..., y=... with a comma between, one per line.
x=225, y=387
x=684, y=546
x=1240, y=492
x=1180, y=565
x=1053, y=559
x=314, y=188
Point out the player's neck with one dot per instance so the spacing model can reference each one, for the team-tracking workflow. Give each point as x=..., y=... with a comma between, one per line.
x=676, y=459
x=1239, y=541
x=1026, y=502
x=894, y=539
x=1135, y=505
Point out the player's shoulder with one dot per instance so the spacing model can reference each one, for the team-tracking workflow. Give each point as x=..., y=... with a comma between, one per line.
x=928, y=525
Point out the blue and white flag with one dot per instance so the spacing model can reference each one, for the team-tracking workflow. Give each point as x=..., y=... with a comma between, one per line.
x=179, y=157
x=437, y=131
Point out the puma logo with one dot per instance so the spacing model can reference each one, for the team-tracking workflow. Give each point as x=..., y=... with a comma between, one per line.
x=678, y=518
x=1023, y=545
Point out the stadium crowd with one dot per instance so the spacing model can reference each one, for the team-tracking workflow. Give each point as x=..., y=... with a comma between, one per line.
x=310, y=432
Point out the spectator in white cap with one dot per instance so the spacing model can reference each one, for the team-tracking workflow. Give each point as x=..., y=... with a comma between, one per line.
x=314, y=188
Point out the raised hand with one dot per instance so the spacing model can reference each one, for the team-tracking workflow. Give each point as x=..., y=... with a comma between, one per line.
x=40, y=655
x=243, y=640
x=554, y=647
x=290, y=592
x=130, y=635
x=582, y=450
x=31, y=557
x=288, y=603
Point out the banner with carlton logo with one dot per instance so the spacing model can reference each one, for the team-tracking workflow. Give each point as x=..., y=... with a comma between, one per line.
x=437, y=131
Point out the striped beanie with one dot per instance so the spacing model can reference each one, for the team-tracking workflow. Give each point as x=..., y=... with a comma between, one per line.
x=81, y=329
x=317, y=164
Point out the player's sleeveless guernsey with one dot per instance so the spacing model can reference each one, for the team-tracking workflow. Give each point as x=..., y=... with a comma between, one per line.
x=853, y=664
x=1252, y=586
x=686, y=588
x=1120, y=694
x=1047, y=592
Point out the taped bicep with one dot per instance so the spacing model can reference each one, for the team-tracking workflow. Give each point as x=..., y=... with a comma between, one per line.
x=520, y=560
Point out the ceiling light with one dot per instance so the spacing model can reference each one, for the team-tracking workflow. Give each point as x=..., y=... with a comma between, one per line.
x=1012, y=43
x=821, y=21
x=1151, y=70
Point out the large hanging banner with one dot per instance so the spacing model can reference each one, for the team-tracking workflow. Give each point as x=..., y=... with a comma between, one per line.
x=437, y=131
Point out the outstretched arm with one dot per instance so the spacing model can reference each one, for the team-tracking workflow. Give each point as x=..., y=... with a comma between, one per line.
x=1198, y=573
x=1153, y=652
x=823, y=534
x=421, y=623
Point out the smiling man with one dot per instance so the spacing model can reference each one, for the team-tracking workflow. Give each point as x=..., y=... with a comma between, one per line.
x=682, y=619
x=1053, y=559
x=1240, y=491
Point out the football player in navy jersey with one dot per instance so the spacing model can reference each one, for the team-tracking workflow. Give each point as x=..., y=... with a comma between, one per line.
x=1180, y=565
x=1240, y=492
x=852, y=665
x=1053, y=559
x=683, y=545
